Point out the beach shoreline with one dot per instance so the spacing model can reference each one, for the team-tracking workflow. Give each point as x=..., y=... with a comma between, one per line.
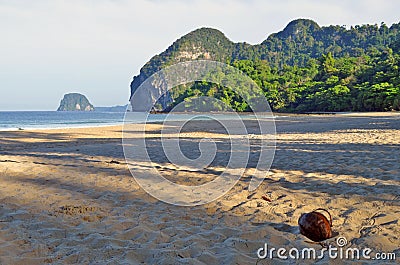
x=243, y=114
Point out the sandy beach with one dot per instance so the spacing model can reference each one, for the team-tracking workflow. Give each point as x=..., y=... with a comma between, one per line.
x=67, y=196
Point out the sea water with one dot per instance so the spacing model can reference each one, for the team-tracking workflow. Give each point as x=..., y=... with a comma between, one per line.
x=14, y=120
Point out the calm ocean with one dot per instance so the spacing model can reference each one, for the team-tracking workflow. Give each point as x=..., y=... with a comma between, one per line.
x=14, y=120
x=11, y=120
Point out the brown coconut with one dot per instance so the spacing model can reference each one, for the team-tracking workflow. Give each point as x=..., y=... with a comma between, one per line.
x=315, y=226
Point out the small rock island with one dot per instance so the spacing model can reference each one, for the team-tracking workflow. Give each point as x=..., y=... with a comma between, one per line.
x=75, y=102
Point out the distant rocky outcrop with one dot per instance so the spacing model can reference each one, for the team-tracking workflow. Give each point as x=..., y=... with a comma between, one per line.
x=75, y=102
x=117, y=108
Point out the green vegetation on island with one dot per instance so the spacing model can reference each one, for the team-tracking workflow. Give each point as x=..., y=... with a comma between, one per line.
x=75, y=102
x=303, y=68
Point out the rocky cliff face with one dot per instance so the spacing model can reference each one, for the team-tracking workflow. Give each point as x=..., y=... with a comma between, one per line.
x=75, y=102
x=200, y=44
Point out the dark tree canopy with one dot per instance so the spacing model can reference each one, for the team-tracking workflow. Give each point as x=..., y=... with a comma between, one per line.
x=303, y=68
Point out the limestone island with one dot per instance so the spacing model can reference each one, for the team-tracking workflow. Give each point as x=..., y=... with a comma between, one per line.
x=75, y=102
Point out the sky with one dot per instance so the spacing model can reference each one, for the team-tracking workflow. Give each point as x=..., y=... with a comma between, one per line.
x=95, y=47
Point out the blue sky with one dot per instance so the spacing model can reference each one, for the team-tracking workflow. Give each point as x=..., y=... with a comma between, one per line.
x=52, y=47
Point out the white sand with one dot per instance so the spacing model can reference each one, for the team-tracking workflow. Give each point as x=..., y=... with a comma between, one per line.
x=62, y=201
